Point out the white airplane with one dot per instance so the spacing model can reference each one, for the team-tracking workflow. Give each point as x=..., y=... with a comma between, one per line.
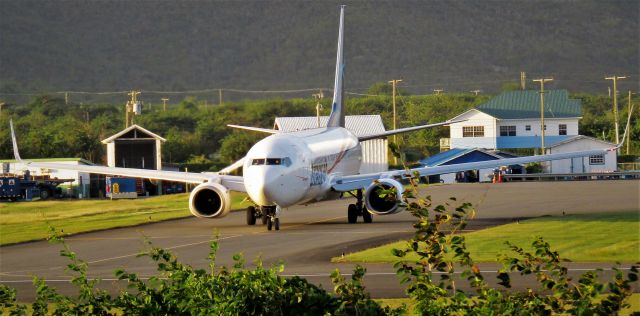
x=286, y=169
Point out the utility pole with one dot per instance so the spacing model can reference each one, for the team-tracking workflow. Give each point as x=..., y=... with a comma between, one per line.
x=1, y=104
x=629, y=113
x=542, y=81
x=475, y=91
x=164, y=104
x=66, y=98
x=219, y=96
x=438, y=91
x=615, y=103
x=130, y=107
x=318, y=96
x=523, y=80
x=393, y=98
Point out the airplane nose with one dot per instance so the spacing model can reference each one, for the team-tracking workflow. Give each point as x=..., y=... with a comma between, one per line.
x=270, y=186
x=262, y=185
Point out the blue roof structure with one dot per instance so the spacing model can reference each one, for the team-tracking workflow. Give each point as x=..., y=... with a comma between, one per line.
x=456, y=156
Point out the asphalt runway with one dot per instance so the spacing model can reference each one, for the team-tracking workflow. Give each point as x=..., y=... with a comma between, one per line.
x=310, y=236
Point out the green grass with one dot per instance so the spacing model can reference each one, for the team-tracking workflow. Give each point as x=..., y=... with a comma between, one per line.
x=25, y=221
x=585, y=238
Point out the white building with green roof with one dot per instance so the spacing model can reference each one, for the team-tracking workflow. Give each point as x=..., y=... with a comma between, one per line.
x=512, y=120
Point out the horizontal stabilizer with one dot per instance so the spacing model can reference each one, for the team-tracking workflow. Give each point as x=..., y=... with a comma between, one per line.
x=256, y=129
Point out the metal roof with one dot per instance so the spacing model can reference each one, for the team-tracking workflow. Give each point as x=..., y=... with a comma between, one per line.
x=579, y=137
x=126, y=130
x=526, y=104
x=359, y=125
x=80, y=160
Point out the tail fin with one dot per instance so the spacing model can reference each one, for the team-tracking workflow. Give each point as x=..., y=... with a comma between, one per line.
x=16, y=154
x=336, y=118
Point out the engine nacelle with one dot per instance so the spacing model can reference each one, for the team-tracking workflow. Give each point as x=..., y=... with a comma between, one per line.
x=210, y=200
x=383, y=206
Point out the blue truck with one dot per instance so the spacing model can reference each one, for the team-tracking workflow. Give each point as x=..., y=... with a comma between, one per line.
x=15, y=187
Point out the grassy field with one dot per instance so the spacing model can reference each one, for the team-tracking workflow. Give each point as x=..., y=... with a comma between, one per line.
x=24, y=221
x=586, y=238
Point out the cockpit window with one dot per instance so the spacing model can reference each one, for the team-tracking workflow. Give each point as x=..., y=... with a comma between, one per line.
x=257, y=162
x=286, y=161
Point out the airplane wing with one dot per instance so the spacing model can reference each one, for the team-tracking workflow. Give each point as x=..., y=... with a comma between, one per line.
x=256, y=129
x=350, y=183
x=404, y=130
x=234, y=183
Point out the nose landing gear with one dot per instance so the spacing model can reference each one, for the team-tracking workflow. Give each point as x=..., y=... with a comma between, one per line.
x=267, y=214
x=358, y=209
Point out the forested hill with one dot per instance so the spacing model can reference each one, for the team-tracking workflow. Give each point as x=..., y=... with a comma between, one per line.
x=51, y=45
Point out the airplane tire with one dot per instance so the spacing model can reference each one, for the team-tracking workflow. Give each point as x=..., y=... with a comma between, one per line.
x=276, y=224
x=366, y=216
x=269, y=223
x=251, y=215
x=352, y=214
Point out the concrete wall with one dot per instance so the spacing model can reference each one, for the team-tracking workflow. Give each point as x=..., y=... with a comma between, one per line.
x=580, y=165
x=552, y=126
x=474, y=118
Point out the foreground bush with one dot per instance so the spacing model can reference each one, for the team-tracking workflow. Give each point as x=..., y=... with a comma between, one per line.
x=179, y=289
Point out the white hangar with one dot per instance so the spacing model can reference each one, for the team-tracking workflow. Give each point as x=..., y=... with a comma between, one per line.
x=374, y=151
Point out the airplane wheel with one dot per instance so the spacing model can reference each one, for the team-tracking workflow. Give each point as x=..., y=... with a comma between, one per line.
x=366, y=216
x=251, y=215
x=269, y=223
x=277, y=224
x=352, y=214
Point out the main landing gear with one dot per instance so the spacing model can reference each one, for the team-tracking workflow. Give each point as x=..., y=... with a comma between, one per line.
x=268, y=216
x=358, y=209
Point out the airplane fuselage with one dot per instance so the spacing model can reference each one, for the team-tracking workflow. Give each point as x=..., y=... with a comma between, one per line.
x=295, y=168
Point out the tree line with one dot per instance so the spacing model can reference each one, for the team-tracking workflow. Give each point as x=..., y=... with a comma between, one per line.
x=197, y=134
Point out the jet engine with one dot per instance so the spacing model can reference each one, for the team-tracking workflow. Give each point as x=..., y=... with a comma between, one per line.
x=384, y=205
x=210, y=200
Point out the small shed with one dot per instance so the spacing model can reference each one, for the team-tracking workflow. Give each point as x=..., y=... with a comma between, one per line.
x=462, y=155
x=598, y=163
x=374, y=151
x=134, y=147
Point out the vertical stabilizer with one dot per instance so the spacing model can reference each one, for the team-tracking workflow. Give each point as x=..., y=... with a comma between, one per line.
x=336, y=118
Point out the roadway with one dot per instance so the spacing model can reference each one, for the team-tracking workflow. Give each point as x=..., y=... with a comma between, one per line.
x=310, y=236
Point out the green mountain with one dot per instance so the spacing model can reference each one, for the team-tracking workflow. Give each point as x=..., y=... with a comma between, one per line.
x=48, y=45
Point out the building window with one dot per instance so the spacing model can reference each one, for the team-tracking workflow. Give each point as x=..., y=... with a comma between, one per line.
x=507, y=131
x=473, y=131
x=562, y=129
x=527, y=128
x=596, y=160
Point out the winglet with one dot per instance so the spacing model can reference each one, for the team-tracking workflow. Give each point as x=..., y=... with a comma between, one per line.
x=16, y=154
